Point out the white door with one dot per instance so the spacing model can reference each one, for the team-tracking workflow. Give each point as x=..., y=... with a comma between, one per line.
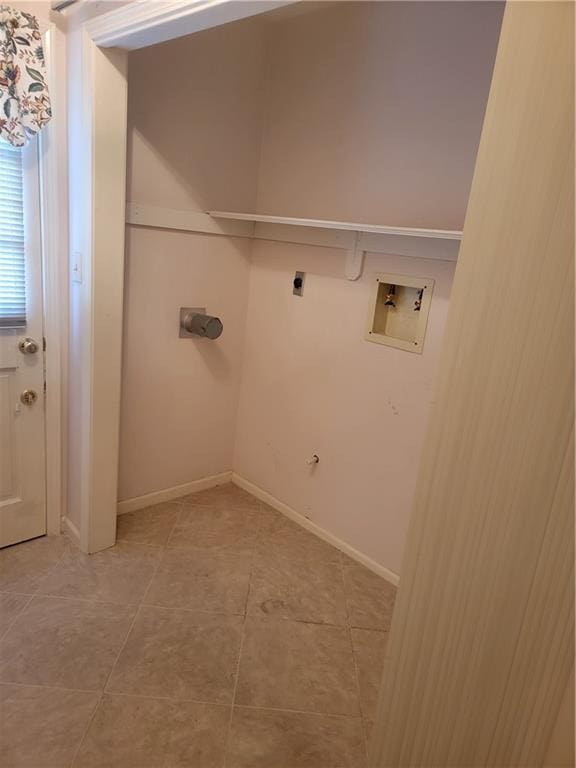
x=22, y=443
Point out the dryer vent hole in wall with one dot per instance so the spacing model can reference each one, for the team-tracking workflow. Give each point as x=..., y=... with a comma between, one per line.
x=195, y=323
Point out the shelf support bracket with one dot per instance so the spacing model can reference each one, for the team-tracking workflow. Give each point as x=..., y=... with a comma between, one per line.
x=355, y=259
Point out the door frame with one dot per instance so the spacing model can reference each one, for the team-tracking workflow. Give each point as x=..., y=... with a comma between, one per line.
x=53, y=218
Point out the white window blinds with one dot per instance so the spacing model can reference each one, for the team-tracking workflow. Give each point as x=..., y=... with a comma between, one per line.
x=12, y=258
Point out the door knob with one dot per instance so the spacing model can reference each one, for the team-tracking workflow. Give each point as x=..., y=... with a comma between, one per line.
x=29, y=397
x=28, y=346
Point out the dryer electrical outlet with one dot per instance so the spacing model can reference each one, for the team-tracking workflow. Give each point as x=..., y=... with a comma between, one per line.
x=298, y=283
x=399, y=309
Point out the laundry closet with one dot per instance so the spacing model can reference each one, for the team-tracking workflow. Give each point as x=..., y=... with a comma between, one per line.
x=303, y=176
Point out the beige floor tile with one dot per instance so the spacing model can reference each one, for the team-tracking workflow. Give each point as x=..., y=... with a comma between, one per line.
x=64, y=643
x=228, y=496
x=42, y=727
x=120, y=574
x=24, y=566
x=11, y=604
x=180, y=655
x=370, y=598
x=369, y=648
x=267, y=739
x=129, y=732
x=279, y=536
x=293, y=657
x=201, y=581
x=215, y=529
x=152, y=525
x=308, y=590
x=292, y=665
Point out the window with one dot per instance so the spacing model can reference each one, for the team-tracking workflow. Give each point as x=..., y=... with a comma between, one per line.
x=12, y=255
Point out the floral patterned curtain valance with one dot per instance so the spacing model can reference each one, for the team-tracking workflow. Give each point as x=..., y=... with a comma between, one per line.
x=24, y=98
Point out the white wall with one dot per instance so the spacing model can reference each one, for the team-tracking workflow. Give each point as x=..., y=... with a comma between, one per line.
x=194, y=145
x=374, y=114
x=311, y=384
x=179, y=396
x=374, y=111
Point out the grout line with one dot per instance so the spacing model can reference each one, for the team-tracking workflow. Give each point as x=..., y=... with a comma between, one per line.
x=200, y=611
x=237, y=675
x=147, y=697
x=87, y=727
x=203, y=702
x=103, y=691
x=212, y=551
x=126, y=543
x=174, y=524
x=298, y=711
x=20, y=612
x=155, y=563
x=178, y=509
x=112, y=668
x=220, y=507
x=33, y=594
x=356, y=673
x=84, y=600
x=234, y=614
x=51, y=687
x=252, y=563
x=52, y=568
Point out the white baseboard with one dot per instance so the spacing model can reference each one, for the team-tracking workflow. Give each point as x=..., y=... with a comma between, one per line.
x=372, y=565
x=72, y=530
x=169, y=494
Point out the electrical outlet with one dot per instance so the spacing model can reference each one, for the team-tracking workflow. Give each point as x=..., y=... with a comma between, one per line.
x=298, y=284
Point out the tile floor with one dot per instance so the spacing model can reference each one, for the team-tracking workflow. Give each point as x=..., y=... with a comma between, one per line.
x=215, y=633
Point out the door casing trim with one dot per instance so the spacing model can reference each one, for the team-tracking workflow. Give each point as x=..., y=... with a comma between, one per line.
x=53, y=204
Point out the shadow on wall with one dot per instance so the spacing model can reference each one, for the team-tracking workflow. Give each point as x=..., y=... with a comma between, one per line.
x=375, y=111
x=195, y=114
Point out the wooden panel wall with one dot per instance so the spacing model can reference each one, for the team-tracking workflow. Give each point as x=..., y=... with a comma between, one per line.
x=482, y=642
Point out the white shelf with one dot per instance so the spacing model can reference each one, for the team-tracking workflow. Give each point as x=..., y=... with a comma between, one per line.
x=355, y=239
x=376, y=229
